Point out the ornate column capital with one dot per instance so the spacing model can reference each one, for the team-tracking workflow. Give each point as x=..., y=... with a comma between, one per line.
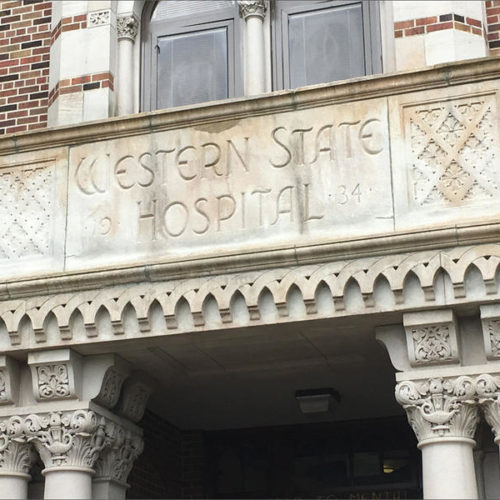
x=252, y=8
x=440, y=408
x=116, y=460
x=127, y=27
x=488, y=391
x=70, y=439
x=16, y=453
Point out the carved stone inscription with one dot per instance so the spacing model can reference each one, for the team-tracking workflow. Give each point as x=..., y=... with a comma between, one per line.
x=321, y=172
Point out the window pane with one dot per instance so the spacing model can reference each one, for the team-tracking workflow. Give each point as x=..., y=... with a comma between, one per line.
x=192, y=68
x=326, y=45
x=169, y=9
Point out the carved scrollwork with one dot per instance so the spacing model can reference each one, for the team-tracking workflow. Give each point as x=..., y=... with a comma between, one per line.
x=110, y=389
x=440, y=408
x=53, y=381
x=67, y=438
x=252, y=8
x=431, y=343
x=16, y=454
x=116, y=460
x=126, y=27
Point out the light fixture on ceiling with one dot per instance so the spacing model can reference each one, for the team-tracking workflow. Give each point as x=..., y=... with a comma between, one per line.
x=321, y=400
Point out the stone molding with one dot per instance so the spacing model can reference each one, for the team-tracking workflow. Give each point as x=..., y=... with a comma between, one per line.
x=431, y=337
x=250, y=8
x=440, y=408
x=127, y=27
x=69, y=439
x=140, y=299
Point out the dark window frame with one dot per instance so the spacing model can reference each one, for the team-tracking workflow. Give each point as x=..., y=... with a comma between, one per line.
x=226, y=17
x=282, y=9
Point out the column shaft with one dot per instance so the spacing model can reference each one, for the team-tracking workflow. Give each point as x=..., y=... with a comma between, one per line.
x=125, y=76
x=255, y=60
x=14, y=486
x=67, y=484
x=448, y=469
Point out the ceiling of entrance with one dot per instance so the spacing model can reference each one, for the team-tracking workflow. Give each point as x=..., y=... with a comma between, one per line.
x=248, y=377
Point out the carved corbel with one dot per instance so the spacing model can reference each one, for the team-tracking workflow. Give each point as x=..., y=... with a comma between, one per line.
x=55, y=374
x=490, y=320
x=9, y=380
x=440, y=408
x=431, y=337
x=135, y=394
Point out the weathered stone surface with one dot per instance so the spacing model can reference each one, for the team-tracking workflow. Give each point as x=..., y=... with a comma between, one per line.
x=333, y=163
x=318, y=173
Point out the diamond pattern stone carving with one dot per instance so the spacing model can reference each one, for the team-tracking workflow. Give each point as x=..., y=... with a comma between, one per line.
x=26, y=212
x=451, y=151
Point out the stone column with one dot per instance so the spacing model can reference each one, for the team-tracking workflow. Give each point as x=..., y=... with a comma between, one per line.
x=16, y=458
x=115, y=463
x=444, y=416
x=127, y=30
x=69, y=444
x=253, y=12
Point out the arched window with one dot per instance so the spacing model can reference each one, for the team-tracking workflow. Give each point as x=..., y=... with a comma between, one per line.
x=319, y=41
x=191, y=52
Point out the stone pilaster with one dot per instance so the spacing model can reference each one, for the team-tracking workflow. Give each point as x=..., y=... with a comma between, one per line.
x=126, y=28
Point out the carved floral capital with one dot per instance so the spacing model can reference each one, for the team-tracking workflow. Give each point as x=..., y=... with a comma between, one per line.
x=440, y=408
x=16, y=453
x=72, y=438
x=126, y=27
x=116, y=460
x=252, y=8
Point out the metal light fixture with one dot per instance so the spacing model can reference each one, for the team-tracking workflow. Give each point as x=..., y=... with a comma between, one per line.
x=321, y=400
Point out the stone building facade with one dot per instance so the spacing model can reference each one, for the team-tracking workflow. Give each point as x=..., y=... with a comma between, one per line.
x=249, y=249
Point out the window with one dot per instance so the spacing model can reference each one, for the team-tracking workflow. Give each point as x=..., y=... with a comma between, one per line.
x=193, y=51
x=323, y=41
x=190, y=53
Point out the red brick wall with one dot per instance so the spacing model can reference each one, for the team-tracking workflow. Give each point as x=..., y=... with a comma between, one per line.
x=493, y=23
x=24, y=64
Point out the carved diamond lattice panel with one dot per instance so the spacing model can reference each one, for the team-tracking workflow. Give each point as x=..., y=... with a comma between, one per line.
x=451, y=150
x=25, y=212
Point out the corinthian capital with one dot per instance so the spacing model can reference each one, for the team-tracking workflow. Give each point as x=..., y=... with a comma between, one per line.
x=252, y=8
x=126, y=27
x=16, y=454
x=73, y=438
x=116, y=460
x=440, y=408
x=488, y=391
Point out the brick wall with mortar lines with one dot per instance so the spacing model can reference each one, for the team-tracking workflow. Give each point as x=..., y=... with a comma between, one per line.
x=24, y=64
x=493, y=25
